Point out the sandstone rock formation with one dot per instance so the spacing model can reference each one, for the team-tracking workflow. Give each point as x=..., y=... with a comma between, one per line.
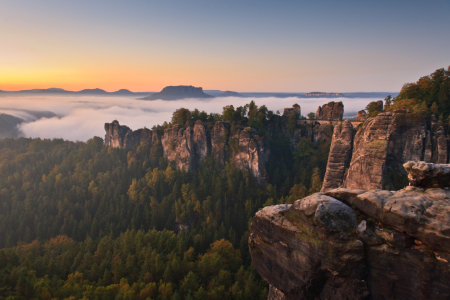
x=178, y=146
x=251, y=154
x=287, y=112
x=361, y=116
x=120, y=136
x=340, y=156
x=380, y=148
x=331, y=111
x=428, y=175
x=356, y=244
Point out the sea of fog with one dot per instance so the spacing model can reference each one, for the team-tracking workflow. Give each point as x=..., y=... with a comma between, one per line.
x=81, y=118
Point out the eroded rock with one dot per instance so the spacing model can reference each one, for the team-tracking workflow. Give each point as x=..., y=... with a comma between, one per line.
x=315, y=248
x=428, y=175
x=339, y=157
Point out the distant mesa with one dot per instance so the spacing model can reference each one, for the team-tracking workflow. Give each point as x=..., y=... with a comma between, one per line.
x=178, y=92
x=322, y=94
x=230, y=94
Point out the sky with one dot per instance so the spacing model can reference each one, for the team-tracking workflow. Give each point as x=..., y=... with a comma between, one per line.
x=243, y=46
x=81, y=118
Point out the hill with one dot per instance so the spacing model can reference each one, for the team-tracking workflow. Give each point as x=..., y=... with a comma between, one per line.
x=178, y=92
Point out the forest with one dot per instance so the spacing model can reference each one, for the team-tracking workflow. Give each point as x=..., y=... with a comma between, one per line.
x=84, y=221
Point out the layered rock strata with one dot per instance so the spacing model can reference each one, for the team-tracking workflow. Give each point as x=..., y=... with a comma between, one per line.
x=361, y=116
x=380, y=148
x=356, y=244
x=340, y=155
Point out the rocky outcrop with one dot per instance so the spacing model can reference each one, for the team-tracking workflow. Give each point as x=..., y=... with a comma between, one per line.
x=332, y=111
x=356, y=244
x=361, y=116
x=120, y=136
x=322, y=132
x=178, y=146
x=339, y=157
x=250, y=154
x=178, y=92
x=382, y=145
x=428, y=175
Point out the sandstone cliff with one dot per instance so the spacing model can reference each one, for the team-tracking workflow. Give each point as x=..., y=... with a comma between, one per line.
x=356, y=244
x=380, y=148
x=120, y=136
x=330, y=111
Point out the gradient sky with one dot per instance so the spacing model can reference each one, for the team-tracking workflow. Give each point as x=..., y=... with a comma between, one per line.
x=246, y=45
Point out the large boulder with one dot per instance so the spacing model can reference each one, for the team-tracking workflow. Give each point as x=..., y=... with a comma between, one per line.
x=356, y=244
x=428, y=175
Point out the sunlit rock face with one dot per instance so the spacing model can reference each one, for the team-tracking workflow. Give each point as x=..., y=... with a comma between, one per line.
x=379, y=149
x=356, y=244
x=339, y=157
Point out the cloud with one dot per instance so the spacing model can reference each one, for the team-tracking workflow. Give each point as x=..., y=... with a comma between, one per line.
x=81, y=118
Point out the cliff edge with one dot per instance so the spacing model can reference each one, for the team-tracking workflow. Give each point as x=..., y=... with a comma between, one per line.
x=357, y=244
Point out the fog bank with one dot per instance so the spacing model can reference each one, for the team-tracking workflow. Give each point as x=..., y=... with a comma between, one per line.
x=81, y=118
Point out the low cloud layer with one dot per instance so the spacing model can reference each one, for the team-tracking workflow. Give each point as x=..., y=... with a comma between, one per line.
x=81, y=118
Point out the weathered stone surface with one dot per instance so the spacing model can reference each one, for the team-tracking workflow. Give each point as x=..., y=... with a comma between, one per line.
x=369, y=153
x=251, y=154
x=380, y=148
x=422, y=214
x=120, y=136
x=314, y=249
x=428, y=153
x=219, y=139
x=306, y=252
x=428, y=175
x=339, y=157
x=177, y=145
x=115, y=134
x=361, y=116
x=332, y=111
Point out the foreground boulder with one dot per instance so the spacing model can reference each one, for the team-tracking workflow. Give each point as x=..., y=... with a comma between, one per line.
x=428, y=175
x=356, y=244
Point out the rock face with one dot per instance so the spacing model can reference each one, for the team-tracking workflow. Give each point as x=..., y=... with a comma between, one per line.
x=428, y=175
x=178, y=146
x=340, y=156
x=188, y=147
x=178, y=92
x=379, y=149
x=361, y=116
x=120, y=136
x=332, y=111
x=356, y=244
x=251, y=154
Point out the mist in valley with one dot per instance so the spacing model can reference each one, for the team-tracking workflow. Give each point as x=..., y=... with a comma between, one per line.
x=81, y=118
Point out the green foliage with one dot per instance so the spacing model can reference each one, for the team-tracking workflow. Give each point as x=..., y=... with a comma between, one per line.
x=311, y=116
x=430, y=94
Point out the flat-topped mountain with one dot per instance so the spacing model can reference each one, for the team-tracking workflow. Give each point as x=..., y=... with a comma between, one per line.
x=178, y=92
